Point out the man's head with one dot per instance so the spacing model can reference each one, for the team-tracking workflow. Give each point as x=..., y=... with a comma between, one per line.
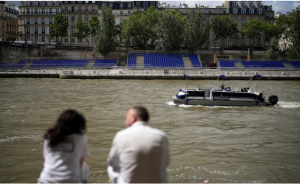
x=136, y=113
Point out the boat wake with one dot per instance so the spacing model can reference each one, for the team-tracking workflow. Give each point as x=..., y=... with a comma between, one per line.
x=185, y=106
x=288, y=104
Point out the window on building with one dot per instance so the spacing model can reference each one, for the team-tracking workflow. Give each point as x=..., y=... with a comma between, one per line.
x=234, y=4
x=259, y=11
x=79, y=40
x=86, y=17
x=235, y=20
x=66, y=9
x=234, y=42
x=258, y=5
x=242, y=4
x=121, y=13
x=251, y=41
x=129, y=5
x=250, y=5
x=243, y=20
x=145, y=3
x=43, y=30
x=72, y=33
x=36, y=38
x=43, y=20
x=207, y=11
x=258, y=41
x=66, y=40
x=93, y=9
x=73, y=25
x=86, y=8
x=72, y=40
x=243, y=11
x=138, y=4
x=235, y=10
x=79, y=17
x=43, y=38
x=207, y=16
x=121, y=20
x=103, y=4
x=50, y=20
x=121, y=5
x=35, y=30
x=259, y=19
x=152, y=3
x=129, y=12
x=243, y=41
x=73, y=17
x=35, y=20
x=79, y=8
x=111, y=5
x=27, y=30
x=251, y=11
x=66, y=16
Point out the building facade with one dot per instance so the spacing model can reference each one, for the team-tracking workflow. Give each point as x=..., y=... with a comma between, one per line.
x=34, y=18
x=11, y=29
x=73, y=11
x=2, y=21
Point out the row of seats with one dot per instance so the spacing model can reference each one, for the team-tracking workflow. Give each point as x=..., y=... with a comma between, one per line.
x=20, y=64
x=259, y=64
x=58, y=63
x=105, y=63
x=162, y=60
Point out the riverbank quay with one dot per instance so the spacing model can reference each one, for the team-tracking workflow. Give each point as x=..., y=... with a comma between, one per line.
x=209, y=74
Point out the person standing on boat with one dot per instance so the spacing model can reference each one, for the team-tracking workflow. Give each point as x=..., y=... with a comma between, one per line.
x=249, y=90
x=139, y=154
x=65, y=147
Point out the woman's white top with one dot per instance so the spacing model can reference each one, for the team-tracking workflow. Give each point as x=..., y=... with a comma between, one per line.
x=62, y=163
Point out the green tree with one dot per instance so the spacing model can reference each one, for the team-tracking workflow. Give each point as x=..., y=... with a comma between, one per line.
x=140, y=27
x=59, y=28
x=252, y=28
x=270, y=53
x=169, y=32
x=94, y=25
x=106, y=38
x=83, y=30
x=295, y=35
x=271, y=30
x=285, y=22
x=224, y=27
x=119, y=29
x=196, y=32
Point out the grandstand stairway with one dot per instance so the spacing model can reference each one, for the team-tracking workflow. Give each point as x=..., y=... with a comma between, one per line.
x=187, y=62
x=27, y=65
x=90, y=64
x=288, y=65
x=239, y=65
x=139, y=61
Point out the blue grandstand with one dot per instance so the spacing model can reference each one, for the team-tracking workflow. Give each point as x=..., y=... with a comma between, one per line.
x=111, y=62
x=58, y=63
x=259, y=64
x=162, y=60
x=20, y=64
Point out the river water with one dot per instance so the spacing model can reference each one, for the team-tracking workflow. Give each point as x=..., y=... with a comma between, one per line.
x=219, y=144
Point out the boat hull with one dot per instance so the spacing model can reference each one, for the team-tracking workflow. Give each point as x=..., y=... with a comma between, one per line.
x=210, y=102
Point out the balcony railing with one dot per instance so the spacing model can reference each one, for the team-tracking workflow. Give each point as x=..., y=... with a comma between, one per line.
x=37, y=13
x=20, y=32
x=79, y=11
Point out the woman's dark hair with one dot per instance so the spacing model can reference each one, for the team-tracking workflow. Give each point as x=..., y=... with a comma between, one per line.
x=69, y=122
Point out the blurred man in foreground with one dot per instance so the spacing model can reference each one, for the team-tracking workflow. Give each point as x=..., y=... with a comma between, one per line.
x=139, y=154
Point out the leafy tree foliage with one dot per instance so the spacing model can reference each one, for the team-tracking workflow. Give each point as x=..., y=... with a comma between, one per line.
x=169, y=32
x=295, y=35
x=252, y=28
x=59, y=28
x=224, y=27
x=106, y=38
x=139, y=28
x=83, y=29
x=196, y=32
x=270, y=53
x=271, y=30
x=94, y=25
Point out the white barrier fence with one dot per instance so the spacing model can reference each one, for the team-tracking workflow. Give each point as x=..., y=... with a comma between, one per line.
x=127, y=72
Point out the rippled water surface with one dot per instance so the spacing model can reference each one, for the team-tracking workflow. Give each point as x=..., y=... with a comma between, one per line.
x=220, y=144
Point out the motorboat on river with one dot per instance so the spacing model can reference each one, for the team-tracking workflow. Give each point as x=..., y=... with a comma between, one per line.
x=221, y=97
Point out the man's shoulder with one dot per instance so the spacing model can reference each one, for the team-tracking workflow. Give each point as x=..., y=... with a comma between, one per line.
x=129, y=131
